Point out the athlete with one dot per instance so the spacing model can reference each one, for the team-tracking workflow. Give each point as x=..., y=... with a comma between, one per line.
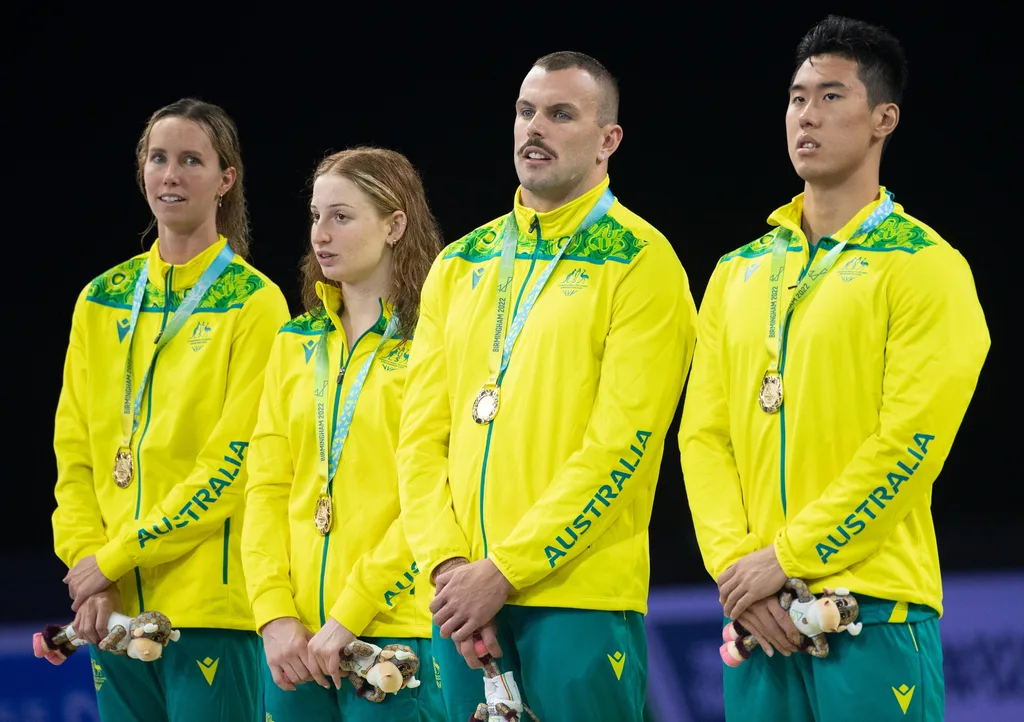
x=324, y=549
x=552, y=349
x=836, y=357
x=162, y=380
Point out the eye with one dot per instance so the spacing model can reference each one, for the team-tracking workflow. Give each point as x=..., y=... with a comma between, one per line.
x=314, y=216
x=339, y=217
x=526, y=112
x=832, y=96
x=797, y=99
x=562, y=115
x=156, y=158
x=192, y=160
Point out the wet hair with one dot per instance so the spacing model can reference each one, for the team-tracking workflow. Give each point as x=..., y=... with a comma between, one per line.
x=608, y=106
x=882, y=66
x=392, y=184
x=232, y=214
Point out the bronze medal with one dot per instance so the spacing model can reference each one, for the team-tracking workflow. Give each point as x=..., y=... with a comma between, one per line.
x=322, y=514
x=485, y=406
x=124, y=466
x=770, y=396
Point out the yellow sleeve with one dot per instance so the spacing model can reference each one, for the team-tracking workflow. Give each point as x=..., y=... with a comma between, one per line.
x=371, y=585
x=426, y=498
x=77, y=522
x=936, y=346
x=646, y=358
x=266, y=539
x=205, y=500
x=705, y=446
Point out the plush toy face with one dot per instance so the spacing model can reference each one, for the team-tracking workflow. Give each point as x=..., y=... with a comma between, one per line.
x=828, y=615
x=145, y=649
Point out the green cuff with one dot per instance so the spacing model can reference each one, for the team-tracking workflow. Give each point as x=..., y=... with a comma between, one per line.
x=353, y=611
x=113, y=560
x=273, y=604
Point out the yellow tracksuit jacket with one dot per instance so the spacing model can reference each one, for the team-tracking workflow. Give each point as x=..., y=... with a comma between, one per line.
x=557, y=491
x=362, y=572
x=171, y=538
x=879, y=364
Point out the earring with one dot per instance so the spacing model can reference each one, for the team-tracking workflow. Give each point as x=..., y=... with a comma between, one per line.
x=220, y=199
x=602, y=156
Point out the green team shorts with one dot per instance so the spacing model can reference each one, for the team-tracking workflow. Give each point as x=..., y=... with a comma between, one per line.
x=309, y=702
x=890, y=671
x=208, y=675
x=569, y=664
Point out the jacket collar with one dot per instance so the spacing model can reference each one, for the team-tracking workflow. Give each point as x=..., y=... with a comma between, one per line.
x=562, y=221
x=185, y=275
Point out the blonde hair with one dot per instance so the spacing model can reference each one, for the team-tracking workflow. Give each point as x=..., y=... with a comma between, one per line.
x=392, y=184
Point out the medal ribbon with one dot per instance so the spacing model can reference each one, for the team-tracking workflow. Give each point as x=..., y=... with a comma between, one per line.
x=343, y=420
x=130, y=409
x=810, y=280
x=501, y=347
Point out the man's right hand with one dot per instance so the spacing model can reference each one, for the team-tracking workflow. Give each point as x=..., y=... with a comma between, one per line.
x=771, y=626
x=91, y=619
x=285, y=641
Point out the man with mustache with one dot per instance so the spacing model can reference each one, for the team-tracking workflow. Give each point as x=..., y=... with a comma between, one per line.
x=551, y=351
x=837, y=356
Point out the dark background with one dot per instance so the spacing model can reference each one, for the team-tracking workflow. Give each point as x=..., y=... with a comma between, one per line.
x=703, y=158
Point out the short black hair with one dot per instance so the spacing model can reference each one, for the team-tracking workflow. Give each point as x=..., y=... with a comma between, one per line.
x=882, y=66
x=608, y=107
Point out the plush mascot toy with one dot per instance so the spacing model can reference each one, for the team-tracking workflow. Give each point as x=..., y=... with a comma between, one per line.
x=143, y=638
x=376, y=672
x=814, y=617
x=503, y=701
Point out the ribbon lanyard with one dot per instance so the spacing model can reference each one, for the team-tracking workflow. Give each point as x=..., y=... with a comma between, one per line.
x=130, y=410
x=810, y=280
x=343, y=420
x=501, y=347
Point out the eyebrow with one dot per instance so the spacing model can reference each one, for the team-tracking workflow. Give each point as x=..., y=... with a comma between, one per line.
x=333, y=205
x=154, y=149
x=826, y=84
x=564, y=105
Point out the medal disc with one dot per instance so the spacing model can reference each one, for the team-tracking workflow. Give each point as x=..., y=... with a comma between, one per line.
x=485, y=407
x=123, y=468
x=770, y=396
x=322, y=514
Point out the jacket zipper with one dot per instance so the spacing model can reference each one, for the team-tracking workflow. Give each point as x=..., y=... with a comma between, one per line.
x=782, y=371
x=168, y=285
x=330, y=484
x=490, y=426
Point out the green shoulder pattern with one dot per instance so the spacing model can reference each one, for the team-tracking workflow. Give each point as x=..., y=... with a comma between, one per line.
x=310, y=323
x=116, y=288
x=607, y=240
x=897, y=233
x=753, y=249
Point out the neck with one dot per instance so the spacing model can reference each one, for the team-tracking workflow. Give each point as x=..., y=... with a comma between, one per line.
x=178, y=247
x=361, y=301
x=829, y=207
x=545, y=204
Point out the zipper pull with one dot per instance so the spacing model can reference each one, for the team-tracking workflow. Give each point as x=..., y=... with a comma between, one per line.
x=158, y=337
x=341, y=375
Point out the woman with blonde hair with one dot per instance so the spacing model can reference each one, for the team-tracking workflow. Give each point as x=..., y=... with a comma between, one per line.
x=162, y=382
x=324, y=549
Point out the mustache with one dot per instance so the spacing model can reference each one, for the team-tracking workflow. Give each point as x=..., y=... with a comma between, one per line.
x=537, y=143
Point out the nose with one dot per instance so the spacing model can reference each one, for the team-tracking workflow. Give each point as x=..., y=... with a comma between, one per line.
x=317, y=235
x=170, y=175
x=809, y=116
